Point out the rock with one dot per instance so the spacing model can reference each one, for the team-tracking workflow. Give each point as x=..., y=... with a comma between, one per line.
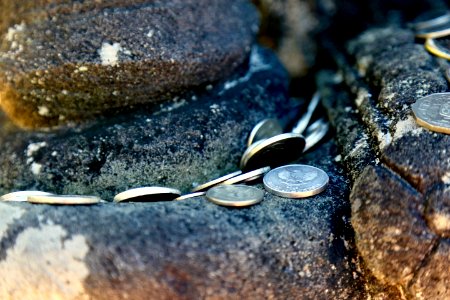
x=281, y=248
x=400, y=169
x=66, y=61
x=192, y=139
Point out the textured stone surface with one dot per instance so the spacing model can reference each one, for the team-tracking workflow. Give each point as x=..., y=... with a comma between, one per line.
x=63, y=61
x=189, y=140
x=281, y=248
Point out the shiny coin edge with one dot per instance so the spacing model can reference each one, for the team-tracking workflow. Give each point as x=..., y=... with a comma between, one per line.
x=191, y=195
x=434, y=49
x=247, y=176
x=130, y=194
x=228, y=203
x=214, y=182
x=22, y=196
x=63, y=199
x=257, y=128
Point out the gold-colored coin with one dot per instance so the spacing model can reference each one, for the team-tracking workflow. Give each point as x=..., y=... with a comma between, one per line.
x=433, y=112
x=434, y=32
x=246, y=177
x=188, y=196
x=439, y=47
x=148, y=194
x=22, y=196
x=63, y=199
x=263, y=130
x=275, y=151
x=235, y=195
x=214, y=182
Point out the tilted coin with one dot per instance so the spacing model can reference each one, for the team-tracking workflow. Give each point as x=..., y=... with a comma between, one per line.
x=188, y=196
x=431, y=19
x=263, y=130
x=63, y=199
x=21, y=196
x=438, y=31
x=275, y=151
x=235, y=195
x=447, y=74
x=296, y=181
x=214, y=182
x=439, y=47
x=433, y=112
x=302, y=124
x=249, y=176
x=315, y=136
x=148, y=194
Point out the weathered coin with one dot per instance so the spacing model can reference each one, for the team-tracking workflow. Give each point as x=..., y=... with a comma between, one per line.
x=148, y=194
x=188, y=196
x=438, y=31
x=214, y=182
x=21, y=196
x=431, y=19
x=275, y=151
x=296, y=181
x=302, y=124
x=263, y=130
x=63, y=199
x=439, y=47
x=235, y=195
x=433, y=112
x=249, y=176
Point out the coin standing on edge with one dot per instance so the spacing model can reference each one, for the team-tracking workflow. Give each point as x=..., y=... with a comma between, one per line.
x=439, y=47
x=447, y=74
x=265, y=129
x=235, y=195
x=275, y=151
x=63, y=199
x=431, y=19
x=214, y=182
x=433, y=112
x=296, y=181
x=191, y=195
x=22, y=196
x=249, y=176
x=148, y=194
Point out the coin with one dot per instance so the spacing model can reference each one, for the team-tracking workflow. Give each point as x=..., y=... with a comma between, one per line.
x=263, y=130
x=21, y=196
x=63, y=199
x=438, y=31
x=246, y=177
x=148, y=194
x=431, y=19
x=318, y=131
x=296, y=181
x=439, y=47
x=433, y=112
x=188, y=196
x=447, y=74
x=275, y=151
x=304, y=121
x=214, y=182
x=235, y=195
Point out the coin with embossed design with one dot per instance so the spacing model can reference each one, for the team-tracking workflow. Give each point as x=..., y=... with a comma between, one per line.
x=296, y=181
x=265, y=129
x=433, y=112
x=235, y=195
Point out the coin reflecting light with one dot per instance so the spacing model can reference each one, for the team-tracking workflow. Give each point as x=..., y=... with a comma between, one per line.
x=263, y=130
x=22, y=196
x=433, y=112
x=296, y=181
x=249, y=176
x=148, y=194
x=214, y=182
x=439, y=47
x=63, y=199
x=188, y=196
x=235, y=195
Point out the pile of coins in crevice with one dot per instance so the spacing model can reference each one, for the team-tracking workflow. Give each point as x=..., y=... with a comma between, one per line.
x=268, y=147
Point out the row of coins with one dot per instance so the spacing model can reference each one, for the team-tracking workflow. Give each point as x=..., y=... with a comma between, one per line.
x=268, y=147
x=434, y=27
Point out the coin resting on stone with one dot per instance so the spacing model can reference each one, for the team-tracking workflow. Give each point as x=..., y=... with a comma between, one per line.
x=296, y=181
x=22, y=196
x=431, y=19
x=235, y=195
x=433, y=112
x=437, y=31
x=189, y=196
x=63, y=199
x=275, y=151
x=247, y=177
x=214, y=182
x=148, y=194
x=265, y=129
x=439, y=47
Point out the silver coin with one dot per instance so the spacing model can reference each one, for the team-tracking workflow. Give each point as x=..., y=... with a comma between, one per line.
x=433, y=112
x=148, y=194
x=235, y=195
x=296, y=181
x=263, y=130
x=431, y=19
x=275, y=151
x=188, y=196
x=318, y=131
x=249, y=176
x=22, y=196
x=214, y=182
x=434, y=32
x=63, y=199
x=302, y=124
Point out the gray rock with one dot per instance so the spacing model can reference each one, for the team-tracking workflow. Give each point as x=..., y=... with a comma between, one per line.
x=66, y=61
x=190, y=140
x=281, y=248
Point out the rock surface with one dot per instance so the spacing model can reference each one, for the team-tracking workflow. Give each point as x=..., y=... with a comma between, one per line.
x=67, y=61
x=189, y=140
x=281, y=248
x=399, y=169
